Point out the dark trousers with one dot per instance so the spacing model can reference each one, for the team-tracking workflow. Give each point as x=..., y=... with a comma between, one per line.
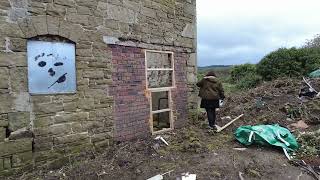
x=211, y=113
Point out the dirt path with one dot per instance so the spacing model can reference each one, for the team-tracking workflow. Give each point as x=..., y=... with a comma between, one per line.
x=193, y=149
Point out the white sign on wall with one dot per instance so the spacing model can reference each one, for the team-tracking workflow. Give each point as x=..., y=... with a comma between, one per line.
x=51, y=67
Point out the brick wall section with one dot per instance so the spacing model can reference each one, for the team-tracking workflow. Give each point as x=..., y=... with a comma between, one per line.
x=180, y=93
x=132, y=108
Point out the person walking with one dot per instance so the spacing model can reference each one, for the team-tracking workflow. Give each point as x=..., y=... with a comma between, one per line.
x=211, y=91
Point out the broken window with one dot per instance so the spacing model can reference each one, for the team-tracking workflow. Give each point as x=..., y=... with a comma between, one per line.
x=159, y=69
x=160, y=80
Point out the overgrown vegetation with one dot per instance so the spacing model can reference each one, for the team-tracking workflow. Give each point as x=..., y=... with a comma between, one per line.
x=245, y=76
x=293, y=62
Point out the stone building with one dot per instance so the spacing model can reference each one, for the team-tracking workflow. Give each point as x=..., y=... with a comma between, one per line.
x=79, y=75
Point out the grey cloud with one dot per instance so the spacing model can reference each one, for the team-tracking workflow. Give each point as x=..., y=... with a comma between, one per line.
x=227, y=42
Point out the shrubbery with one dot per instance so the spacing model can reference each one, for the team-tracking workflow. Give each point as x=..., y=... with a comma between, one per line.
x=245, y=76
x=291, y=62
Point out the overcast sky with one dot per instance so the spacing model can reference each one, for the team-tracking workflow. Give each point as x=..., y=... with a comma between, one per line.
x=243, y=31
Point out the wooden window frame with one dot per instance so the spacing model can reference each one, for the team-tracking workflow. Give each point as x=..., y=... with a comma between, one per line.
x=160, y=89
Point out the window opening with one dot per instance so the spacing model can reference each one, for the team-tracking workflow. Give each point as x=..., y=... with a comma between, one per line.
x=160, y=81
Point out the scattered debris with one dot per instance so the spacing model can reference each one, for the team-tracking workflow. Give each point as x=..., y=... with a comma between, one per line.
x=156, y=177
x=240, y=149
x=311, y=88
x=240, y=175
x=228, y=124
x=306, y=167
x=159, y=176
x=299, y=125
x=226, y=117
x=162, y=139
x=187, y=176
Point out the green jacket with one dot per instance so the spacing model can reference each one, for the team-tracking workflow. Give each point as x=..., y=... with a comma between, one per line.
x=211, y=88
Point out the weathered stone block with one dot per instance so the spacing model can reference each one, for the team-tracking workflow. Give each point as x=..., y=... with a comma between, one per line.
x=3, y=123
x=77, y=128
x=6, y=103
x=27, y=27
x=83, y=10
x=21, y=159
x=48, y=108
x=2, y=134
x=70, y=107
x=10, y=30
x=64, y=28
x=121, y=14
x=53, y=25
x=56, y=10
x=87, y=3
x=59, y=129
x=7, y=163
x=42, y=122
x=78, y=19
x=102, y=144
x=100, y=137
x=1, y=164
x=72, y=138
x=18, y=120
x=18, y=44
x=21, y=102
x=45, y=156
x=77, y=32
x=21, y=134
x=86, y=104
x=189, y=31
x=42, y=143
x=94, y=74
x=4, y=78
x=40, y=24
x=72, y=117
x=40, y=99
x=16, y=59
x=69, y=3
x=19, y=79
x=192, y=61
x=14, y=147
x=148, y=12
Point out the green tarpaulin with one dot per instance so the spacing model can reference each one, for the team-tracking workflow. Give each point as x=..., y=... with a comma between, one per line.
x=267, y=135
x=315, y=74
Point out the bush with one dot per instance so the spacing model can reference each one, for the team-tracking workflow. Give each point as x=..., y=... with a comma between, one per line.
x=250, y=80
x=240, y=71
x=291, y=62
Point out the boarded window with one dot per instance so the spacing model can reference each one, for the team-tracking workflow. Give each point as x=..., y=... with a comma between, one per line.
x=51, y=67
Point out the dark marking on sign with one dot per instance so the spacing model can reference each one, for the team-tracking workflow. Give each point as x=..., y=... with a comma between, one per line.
x=58, y=64
x=51, y=72
x=61, y=79
x=42, y=64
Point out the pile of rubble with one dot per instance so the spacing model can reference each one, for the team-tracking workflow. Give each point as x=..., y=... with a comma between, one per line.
x=274, y=102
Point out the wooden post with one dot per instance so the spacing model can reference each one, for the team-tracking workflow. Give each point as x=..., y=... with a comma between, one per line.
x=228, y=124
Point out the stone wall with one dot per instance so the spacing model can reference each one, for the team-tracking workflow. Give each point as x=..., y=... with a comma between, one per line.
x=47, y=129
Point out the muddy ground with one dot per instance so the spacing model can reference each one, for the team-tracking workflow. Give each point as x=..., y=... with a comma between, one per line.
x=210, y=155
